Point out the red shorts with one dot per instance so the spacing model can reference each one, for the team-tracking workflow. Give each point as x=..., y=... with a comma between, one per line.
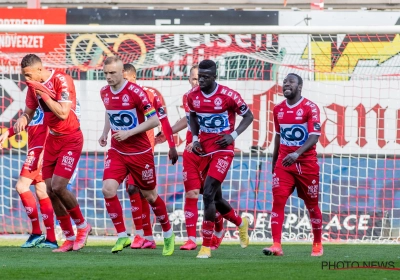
x=32, y=167
x=219, y=164
x=194, y=170
x=303, y=176
x=140, y=166
x=61, y=154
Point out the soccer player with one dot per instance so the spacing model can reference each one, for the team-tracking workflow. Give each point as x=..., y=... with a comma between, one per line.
x=55, y=93
x=213, y=108
x=294, y=161
x=193, y=178
x=127, y=106
x=139, y=205
x=31, y=174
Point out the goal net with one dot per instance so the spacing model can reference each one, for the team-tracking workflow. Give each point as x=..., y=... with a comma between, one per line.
x=352, y=77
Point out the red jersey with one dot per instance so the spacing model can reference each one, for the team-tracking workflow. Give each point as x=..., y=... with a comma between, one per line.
x=127, y=108
x=216, y=113
x=187, y=112
x=150, y=133
x=294, y=123
x=63, y=89
x=37, y=131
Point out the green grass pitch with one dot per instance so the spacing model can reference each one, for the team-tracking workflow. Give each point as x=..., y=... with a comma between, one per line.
x=229, y=262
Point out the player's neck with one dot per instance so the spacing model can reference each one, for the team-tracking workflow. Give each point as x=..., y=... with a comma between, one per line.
x=118, y=86
x=210, y=90
x=294, y=100
x=45, y=75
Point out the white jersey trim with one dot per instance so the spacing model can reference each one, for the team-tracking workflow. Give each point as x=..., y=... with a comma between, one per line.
x=218, y=152
x=131, y=154
x=49, y=78
x=315, y=133
x=119, y=90
x=211, y=94
x=37, y=147
x=294, y=105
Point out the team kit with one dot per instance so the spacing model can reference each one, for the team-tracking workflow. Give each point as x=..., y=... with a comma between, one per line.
x=55, y=142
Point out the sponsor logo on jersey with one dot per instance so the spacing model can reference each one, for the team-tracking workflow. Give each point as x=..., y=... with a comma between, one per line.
x=122, y=119
x=125, y=100
x=196, y=103
x=243, y=108
x=280, y=115
x=161, y=111
x=213, y=123
x=37, y=117
x=317, y=126
x=293, y=134
x=217, y=103
x=106, y=100
x=299, y=112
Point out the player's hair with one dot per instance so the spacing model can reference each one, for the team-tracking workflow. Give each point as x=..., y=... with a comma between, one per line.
x=29, y=60
x=207, y=64
x=129, y=68
x=112, y=59
x=196, y=66
x=299, y=79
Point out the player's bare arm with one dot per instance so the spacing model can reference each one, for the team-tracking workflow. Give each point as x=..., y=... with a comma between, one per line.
x=60, y=109
x=277, y=143
x=291, y=158
x=178, y=126
x=150, y=123
x=106, y=130
x=24, y=120
x=195, y=128
x=227, y=139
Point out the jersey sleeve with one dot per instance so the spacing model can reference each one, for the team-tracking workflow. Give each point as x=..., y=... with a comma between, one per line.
x=313, y=121
x=276, y=122
x=167, y=130
x=190, y=104
x=64, y=88
x=158, y=106
x=143, y=102
x=239, y=105
x=185, y=103
x=31, y=100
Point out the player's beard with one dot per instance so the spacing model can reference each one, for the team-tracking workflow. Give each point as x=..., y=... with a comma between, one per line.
x=290, y=93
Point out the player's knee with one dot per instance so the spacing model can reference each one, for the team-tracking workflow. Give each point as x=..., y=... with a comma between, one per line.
x=58, y=189
x=192, y=194
x=208, y=198
x=21, y=188
x=151, y=196
x=132, y=189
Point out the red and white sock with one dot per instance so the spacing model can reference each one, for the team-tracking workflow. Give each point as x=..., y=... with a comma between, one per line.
x=66, y=227
x=29, y=202
x=233, y=217
x=147, y=229
x=76, y=215
x=136, y=209
x=191, y=217
x=277, y=217
x=207, y=231
x=316, y=222
x=160, y=211
x=114, y=210
x=48, y=218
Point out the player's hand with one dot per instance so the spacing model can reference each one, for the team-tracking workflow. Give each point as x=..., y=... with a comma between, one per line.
x=197, y=148
x=3, y=138
x=225, y=140
x=290, y=159
x=39, y=92
x=160, y=138
x=103, y=140
x=121, y=135
x=173, y=155
x=189, y=147
x=20, y=124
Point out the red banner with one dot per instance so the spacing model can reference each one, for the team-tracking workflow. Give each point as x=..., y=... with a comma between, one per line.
x=31, y=43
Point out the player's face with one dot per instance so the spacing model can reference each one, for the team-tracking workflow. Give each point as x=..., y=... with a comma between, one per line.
x=33, y=73
x=206, y=79
x=130, y=76
x=114, y=73
x=291, y=87
x=193, y=80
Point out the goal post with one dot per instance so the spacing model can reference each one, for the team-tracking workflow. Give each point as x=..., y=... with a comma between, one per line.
x=350, y=72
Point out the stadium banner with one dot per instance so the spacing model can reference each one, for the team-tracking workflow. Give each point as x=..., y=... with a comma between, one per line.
x=355, y=206
x=356, y=123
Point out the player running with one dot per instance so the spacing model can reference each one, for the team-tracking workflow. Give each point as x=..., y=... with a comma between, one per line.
x=213, y=110
x=193, y=178
x=294, y=161
x=127, y=106
x=31, y=174
x=139, y=205
x=55, y=93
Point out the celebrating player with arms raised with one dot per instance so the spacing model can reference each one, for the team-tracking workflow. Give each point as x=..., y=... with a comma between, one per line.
x=213, y=112
x=127, y=106
x=55, y=93
x=139, y=205
x=294, y=162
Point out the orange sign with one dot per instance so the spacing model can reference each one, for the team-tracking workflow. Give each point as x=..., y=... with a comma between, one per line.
x=31, y=43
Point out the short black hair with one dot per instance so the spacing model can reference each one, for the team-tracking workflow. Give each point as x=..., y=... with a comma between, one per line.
x=129, y=68
x=207, y=64
x=29, y=60
x=299, y=79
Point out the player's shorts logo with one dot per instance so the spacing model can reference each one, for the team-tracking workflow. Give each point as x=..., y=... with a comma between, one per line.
x=313, y=191
x=294, y=135
x=213, y=123
x=37, y=117
x=147, y=174
x=107, y=164
x=222, y=165
x=123, y=120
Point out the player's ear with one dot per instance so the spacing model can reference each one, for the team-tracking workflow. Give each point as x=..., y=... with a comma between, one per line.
x=300, y=87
